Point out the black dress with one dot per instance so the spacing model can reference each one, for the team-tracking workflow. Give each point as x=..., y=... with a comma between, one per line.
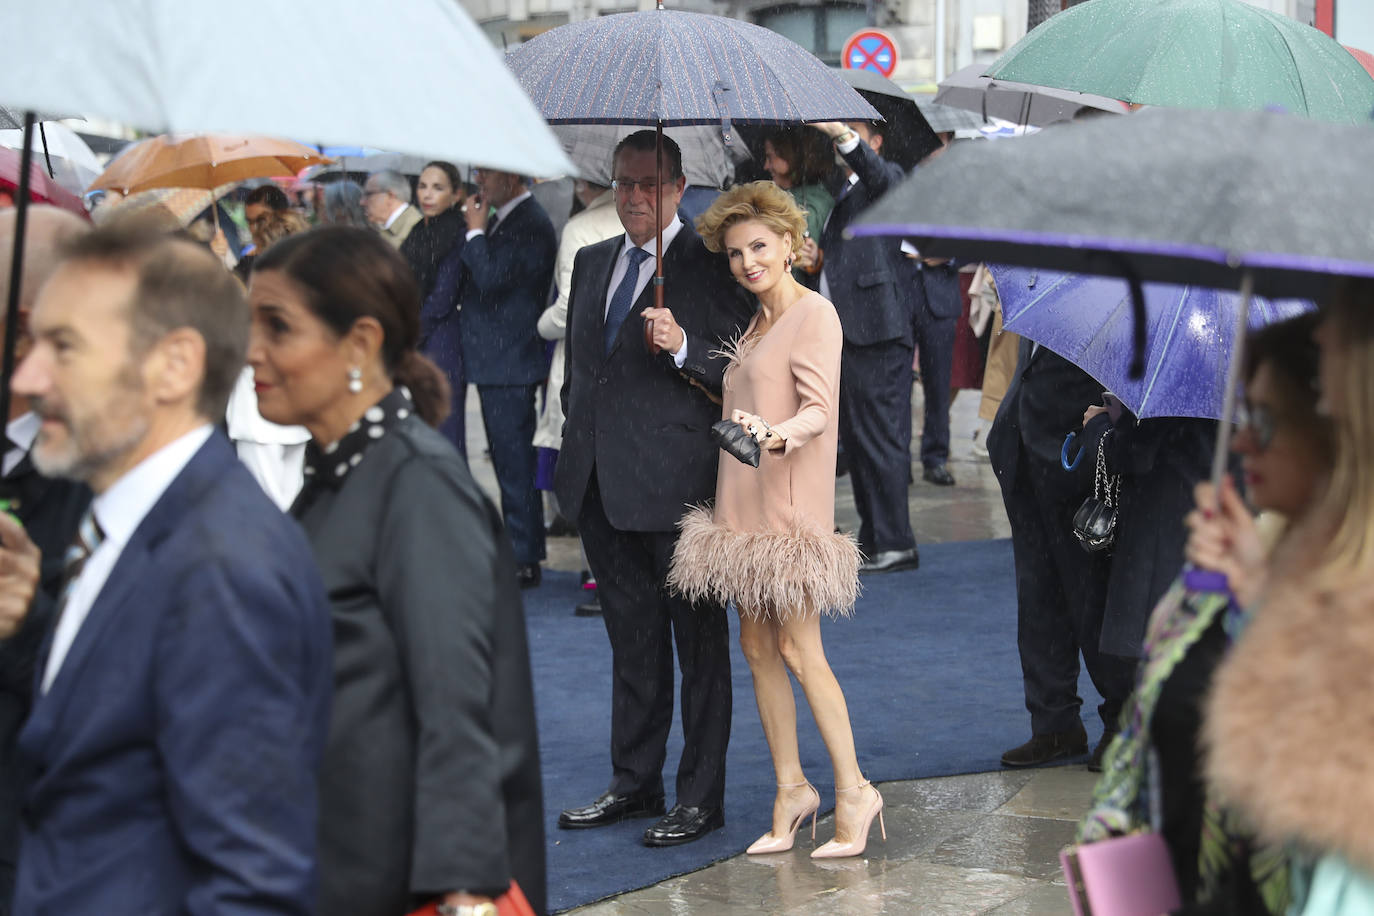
x=430, y=781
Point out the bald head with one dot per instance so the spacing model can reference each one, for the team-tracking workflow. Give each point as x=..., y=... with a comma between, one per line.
x=48, y=232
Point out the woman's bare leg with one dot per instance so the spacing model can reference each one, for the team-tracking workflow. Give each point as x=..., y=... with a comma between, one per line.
x=799, y=644
x=778, y=713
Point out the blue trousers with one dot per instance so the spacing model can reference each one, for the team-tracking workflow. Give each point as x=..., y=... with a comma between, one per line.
x=509, y=416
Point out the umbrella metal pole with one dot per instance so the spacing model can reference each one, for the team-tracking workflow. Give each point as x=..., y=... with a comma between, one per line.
x=1195, y=578
x=47, y=155
x=658, y=232
x=1228, y=403
x=21, y=214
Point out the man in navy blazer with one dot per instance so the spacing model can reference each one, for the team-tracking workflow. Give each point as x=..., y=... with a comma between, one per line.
x=937, y=304
x=508, y=263
x=636, y=455
x=182, y=693
x=870, y=284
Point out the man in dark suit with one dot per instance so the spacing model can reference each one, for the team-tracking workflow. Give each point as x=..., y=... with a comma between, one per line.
x=182, y=694
x=636, y=453
x=936, y=306
x=1058, y=583
x=508, y=263
x=869, y=282
x=48, y=509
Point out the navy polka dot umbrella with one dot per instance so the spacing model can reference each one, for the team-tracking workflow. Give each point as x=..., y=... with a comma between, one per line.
x=666, y=68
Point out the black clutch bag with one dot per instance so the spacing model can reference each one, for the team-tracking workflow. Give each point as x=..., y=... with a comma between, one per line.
x=1094, y=524
x=733, y=440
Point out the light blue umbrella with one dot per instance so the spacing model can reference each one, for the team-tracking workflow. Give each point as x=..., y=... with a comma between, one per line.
x=1088, y=320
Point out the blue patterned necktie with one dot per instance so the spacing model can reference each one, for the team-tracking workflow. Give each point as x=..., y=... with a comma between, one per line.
x=623, y=298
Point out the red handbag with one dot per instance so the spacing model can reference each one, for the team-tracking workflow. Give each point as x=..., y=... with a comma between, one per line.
x=511, y=903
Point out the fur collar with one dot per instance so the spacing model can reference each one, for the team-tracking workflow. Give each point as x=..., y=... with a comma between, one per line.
x=1290, y=722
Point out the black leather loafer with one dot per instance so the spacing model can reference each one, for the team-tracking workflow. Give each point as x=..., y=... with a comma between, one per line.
x=891, y=561
x=611, y=809
x=684, y=824
x=588, y=608
x=1045, y=748
x=528, y=575
x=939, y=475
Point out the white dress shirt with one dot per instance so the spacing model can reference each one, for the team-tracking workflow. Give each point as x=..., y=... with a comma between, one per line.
x=21, y=431
x=119, y=511
x=274, y=455
x=646, y=273
x=502, y=212
x=395, y=215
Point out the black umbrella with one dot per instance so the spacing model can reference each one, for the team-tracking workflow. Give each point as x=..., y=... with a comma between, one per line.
x=1269, y=203
x=1019, y=103
x=908, y=137
x=1164, y=195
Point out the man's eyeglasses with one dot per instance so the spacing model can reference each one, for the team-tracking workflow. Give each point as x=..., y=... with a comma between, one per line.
x=1258, y=421
x=628, y=185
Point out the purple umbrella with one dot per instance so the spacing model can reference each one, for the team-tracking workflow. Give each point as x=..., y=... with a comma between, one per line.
x=1088, y=320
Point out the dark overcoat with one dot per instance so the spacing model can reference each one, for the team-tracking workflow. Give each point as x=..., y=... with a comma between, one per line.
x=430, y=781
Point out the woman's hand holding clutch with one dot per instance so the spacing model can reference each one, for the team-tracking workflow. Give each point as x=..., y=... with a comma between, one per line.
x=757, y=427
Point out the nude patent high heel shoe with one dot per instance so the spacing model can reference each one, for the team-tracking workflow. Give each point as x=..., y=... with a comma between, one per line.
x=837, y=850
x=769, y=843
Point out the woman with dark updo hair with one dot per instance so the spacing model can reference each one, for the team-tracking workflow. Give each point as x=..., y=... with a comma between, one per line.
x=430, y=785
x=432, y=249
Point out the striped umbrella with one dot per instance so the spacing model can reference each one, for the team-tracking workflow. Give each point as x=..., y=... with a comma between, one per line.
x=667, y=68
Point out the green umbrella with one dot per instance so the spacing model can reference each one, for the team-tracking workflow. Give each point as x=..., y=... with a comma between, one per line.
x=1192, y=54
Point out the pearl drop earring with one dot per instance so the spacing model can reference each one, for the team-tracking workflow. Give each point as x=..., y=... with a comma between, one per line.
x=355, y=380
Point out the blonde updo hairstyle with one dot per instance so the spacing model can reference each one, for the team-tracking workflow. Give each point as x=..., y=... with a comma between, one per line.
x=758, y=200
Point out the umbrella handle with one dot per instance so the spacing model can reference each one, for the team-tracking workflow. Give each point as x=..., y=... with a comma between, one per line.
x=1064, y=461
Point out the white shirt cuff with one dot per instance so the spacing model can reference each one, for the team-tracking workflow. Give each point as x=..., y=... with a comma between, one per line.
x=680, y=356
x=473, y=233
x=847, y=148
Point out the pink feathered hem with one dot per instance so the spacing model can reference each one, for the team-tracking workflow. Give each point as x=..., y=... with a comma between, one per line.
x=774, y=575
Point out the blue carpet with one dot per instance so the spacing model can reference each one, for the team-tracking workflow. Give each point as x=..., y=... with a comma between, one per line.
x=928, y=664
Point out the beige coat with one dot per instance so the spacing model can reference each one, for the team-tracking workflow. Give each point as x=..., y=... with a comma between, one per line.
x=769, y=544
x=396, y=233
x=595, y=224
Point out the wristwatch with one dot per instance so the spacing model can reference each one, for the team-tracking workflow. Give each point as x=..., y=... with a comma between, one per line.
x=468, y=909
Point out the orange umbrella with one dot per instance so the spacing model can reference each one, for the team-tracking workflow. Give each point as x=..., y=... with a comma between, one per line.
x=204, y=161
